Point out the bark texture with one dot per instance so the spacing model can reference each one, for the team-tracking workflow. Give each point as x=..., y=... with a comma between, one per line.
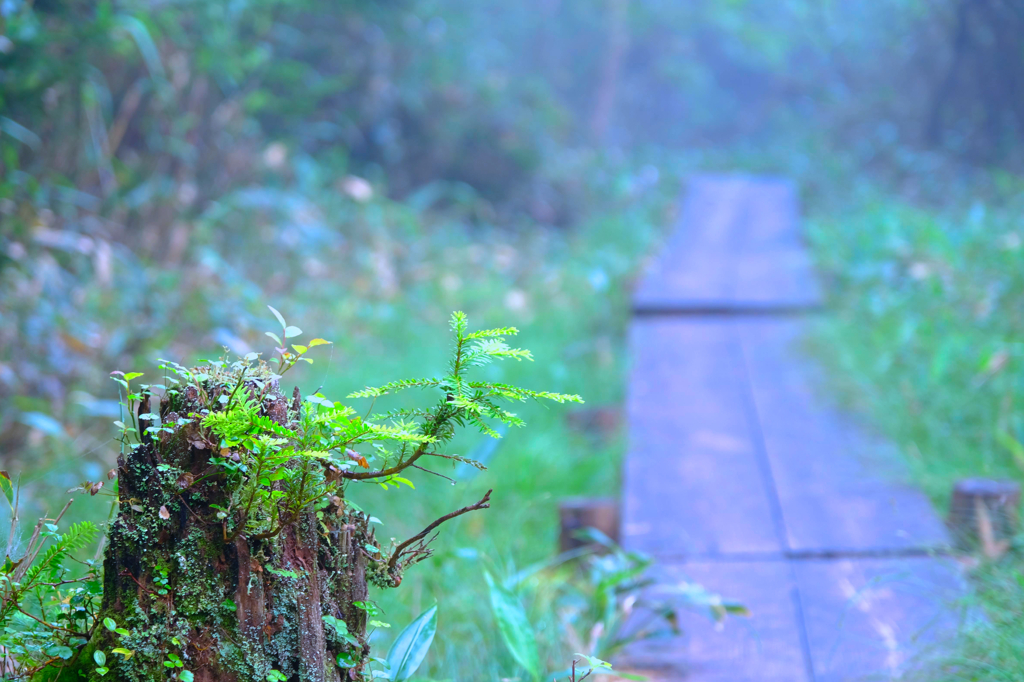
x=231, y=608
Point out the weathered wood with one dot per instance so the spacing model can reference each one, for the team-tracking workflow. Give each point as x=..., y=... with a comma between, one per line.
x=984, y=514
x=734, y=458
x=692, y=482
x=578, y=513
x=737, y=248
x=766, y=647
x=840, y=489
x=596, y=422
x=874, y=619
x=233, y=606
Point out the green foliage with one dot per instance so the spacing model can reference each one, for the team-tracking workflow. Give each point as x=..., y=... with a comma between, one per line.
x=515, y=627
x=271, y=471
x=927, y=342
x=411, y=645
x=48, y=609
x=606, y=600
x=468, y=401
x=929, y=339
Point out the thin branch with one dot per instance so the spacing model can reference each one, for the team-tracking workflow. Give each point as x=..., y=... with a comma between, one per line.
x=417, y=466
x=363, y=475
x=50, y=625
x=241, y=378
x=397, y=554
x=32, y=550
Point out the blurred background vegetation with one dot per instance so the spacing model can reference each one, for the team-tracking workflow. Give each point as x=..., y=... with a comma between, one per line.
x=169, y=167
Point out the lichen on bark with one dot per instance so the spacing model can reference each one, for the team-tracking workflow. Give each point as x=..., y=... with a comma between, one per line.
x=232, y=608
x=234, y=554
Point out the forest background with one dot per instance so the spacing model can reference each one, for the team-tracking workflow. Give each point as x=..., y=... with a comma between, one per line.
x=169, y=168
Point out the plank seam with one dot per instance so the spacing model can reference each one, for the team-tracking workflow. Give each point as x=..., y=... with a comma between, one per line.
x=808, y=555
x=698, y=309
x=775, y=503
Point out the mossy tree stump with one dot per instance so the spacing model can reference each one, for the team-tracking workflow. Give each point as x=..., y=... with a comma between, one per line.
x=234, y=555
x=238, y=605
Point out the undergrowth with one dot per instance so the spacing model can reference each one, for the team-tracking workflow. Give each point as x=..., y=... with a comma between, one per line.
x=928, y=340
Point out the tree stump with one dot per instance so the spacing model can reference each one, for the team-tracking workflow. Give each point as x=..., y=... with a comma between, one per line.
x=575, y=514
x=984, y=514
x=230, y=607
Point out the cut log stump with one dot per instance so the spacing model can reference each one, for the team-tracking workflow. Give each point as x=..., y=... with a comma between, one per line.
x=578, y=513
x=984, y=514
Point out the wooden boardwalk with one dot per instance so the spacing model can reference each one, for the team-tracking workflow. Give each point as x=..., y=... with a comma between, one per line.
x=741, y=477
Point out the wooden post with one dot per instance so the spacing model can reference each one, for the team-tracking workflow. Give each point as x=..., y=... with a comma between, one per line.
x=984, y=514
x=600, y=423
x=575, y=514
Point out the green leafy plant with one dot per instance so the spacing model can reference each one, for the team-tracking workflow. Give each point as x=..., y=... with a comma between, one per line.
x=411, y=646
x=216, y=452
x=516, y=630
x=49, y=600
x=603, y=602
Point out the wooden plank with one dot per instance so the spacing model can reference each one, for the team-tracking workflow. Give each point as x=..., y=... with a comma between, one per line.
x=692, y=484
x=737, y=246
x=873, y=619
x=773, y=263
x=840, y=489
x=763, y=648
x=696, y=263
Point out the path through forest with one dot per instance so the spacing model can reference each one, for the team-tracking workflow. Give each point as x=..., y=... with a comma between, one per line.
x=742, y=476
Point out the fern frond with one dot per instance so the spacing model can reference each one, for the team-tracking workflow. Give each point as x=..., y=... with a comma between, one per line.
x=483, y=427
x=497, y=348
x=400, y=433
x=517, y=393
x=268, y=424
x=393, y=387
x=400, y=415
x=79, y=535
x=458, y=323
x=492, y=333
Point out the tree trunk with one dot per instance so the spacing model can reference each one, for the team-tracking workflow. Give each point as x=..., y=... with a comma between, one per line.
x=230, y=608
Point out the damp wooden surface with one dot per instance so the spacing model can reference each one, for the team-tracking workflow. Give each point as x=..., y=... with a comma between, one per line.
x=744, y=476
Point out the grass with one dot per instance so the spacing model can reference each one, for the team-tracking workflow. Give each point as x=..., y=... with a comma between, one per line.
x=567, y=293
x=380, y=280
x=928, y=341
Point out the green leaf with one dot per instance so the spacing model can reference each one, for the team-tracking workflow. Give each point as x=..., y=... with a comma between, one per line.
x=132, y=375
x=633, y=677
x=458, y=323
x=275, y=337
x=110, y=624
x=283, y=572
x=7, y=487
x=144, y=42
x=99, y=657
x=595, y=662
x=127, y=653
x=411, y=645
x=20, y=133
x=278, y=315
x=514, y=626
x=186, y=676
x=60, y=651
x=319, y=342
x=291, y=332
